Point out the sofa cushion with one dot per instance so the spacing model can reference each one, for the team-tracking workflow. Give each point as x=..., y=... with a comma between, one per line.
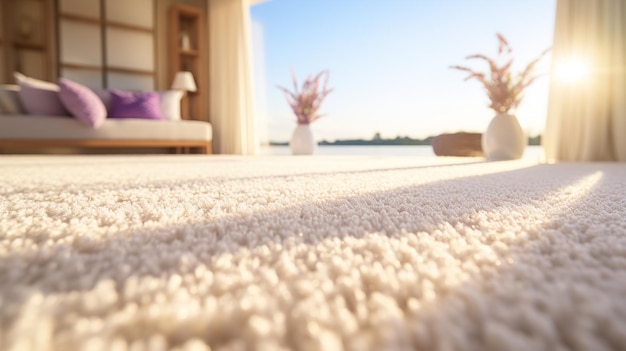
x=135, y=104
x=39, y=97
x=10, y=100
x=16, y=127
x=169, y=101
x=82, y=102
x=170, y=104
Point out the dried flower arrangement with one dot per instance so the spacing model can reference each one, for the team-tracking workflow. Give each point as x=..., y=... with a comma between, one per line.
x=305, y=102
x=503, y=88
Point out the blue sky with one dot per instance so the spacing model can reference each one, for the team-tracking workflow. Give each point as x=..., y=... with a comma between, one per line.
x=389, y=62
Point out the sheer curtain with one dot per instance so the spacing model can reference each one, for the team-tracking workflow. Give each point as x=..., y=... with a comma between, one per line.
x=587, y=118
x=231, y=85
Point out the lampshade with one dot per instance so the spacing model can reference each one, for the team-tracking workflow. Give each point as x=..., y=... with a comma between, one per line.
x=184, y=81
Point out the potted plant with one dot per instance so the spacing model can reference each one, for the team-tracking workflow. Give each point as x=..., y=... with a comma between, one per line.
x=504, y=137
x=305, y=103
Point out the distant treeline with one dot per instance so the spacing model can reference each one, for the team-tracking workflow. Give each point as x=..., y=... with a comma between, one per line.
x=377, y=140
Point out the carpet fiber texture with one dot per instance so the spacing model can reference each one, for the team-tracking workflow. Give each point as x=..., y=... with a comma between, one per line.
x=310, y=253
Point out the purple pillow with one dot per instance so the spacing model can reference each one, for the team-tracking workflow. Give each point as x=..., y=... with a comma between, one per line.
x=82, y=102
x=135, y=104
x=39, y=97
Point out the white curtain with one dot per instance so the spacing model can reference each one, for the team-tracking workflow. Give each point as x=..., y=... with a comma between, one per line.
x=587, y=119
x=231, y=105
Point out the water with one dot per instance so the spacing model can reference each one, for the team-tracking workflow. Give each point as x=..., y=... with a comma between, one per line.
x=367, y=150
x=533, y=152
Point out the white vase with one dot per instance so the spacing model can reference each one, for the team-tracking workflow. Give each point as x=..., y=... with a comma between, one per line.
x=185, y=41
x=504, y=138
x=302, y=141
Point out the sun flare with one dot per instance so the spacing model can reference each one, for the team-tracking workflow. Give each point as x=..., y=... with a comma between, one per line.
x=573, y=70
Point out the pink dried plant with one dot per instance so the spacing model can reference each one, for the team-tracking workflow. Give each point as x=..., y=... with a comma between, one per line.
x=504, y=89
x=306, y=101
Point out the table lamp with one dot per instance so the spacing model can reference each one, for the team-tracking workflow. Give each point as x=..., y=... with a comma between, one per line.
x=184, y=81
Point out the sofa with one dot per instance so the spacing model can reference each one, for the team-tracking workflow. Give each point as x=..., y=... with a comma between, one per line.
x=37, y=115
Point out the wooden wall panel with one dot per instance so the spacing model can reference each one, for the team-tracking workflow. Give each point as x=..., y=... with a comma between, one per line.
x=81, y=43
x=120, y=39
x=135, y=12
x=130, y=81
x=27, y=39
x=2, y=66
x=28, y=21
x=130, y=49
x=89, y=8
x=2, y=45
x=32, y=63
x=90, y=78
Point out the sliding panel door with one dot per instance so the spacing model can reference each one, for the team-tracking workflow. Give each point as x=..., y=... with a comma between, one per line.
x=108, y=43
x=130, y=44
x=81, y=41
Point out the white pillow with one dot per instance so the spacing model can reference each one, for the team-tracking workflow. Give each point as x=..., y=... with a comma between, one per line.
x=170, y=104
x=39, y=97
x=10, y=100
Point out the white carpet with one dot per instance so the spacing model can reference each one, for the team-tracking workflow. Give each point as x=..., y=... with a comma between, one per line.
x=310, y=253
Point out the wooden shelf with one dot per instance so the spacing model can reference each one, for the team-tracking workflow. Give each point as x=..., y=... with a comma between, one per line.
x=20, y=44
x=188, y=52
x=189, y=22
